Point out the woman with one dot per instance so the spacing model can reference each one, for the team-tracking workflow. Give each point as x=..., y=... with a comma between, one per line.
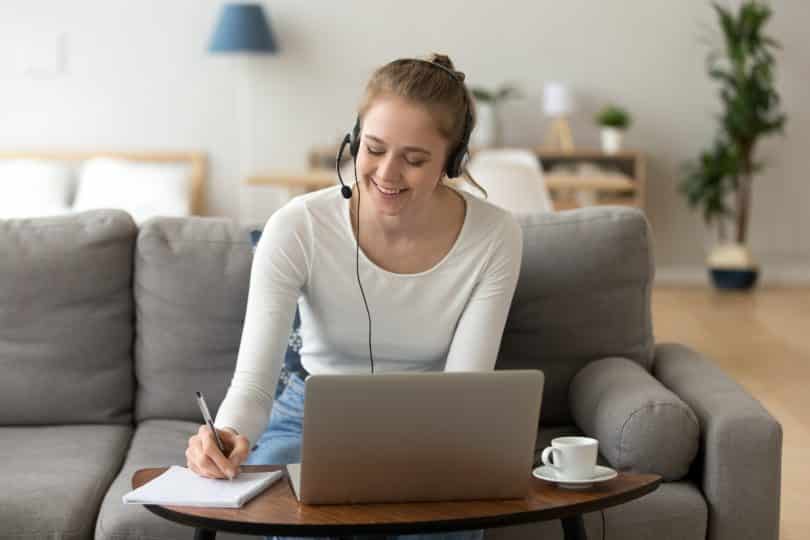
x=438, y=268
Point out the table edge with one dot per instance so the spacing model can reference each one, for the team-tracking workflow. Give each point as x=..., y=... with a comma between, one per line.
x=413, y=527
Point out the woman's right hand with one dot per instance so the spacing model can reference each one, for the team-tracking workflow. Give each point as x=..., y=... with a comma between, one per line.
x=204, y=458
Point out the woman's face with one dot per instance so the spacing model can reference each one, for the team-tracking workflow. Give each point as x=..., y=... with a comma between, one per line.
x=401, y=157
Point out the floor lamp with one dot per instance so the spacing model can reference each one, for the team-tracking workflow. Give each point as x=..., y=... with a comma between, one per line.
x=243, y=30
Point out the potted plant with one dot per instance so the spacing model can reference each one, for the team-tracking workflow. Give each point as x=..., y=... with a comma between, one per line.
x=719, y=181
x=613, y=121
x=487, y=132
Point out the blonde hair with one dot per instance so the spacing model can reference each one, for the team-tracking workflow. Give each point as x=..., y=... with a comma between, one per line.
x=414, y=80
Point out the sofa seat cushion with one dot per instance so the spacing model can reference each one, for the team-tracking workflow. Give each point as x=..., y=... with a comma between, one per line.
x=156, y=443
x=674, y=511
x=55, y=477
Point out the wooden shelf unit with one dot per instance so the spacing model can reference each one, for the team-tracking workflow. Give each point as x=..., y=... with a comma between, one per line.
x=625, y=184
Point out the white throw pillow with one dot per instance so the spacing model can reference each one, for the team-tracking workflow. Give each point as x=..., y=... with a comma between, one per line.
x=144, y=190
x=34, y=188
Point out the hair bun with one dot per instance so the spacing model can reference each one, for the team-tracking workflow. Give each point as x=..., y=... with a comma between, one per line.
x=444, y=61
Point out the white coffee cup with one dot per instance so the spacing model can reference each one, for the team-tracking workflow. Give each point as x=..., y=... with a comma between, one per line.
x=574, y=458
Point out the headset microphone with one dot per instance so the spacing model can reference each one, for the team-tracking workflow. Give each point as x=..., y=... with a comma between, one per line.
x=345, y=190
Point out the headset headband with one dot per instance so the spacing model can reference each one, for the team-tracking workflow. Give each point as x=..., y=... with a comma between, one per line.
x=455, y=158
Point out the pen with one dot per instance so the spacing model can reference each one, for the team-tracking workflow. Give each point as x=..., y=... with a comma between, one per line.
x=208, y=420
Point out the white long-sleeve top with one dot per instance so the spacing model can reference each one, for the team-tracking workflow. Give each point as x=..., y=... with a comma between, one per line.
x=450, y=317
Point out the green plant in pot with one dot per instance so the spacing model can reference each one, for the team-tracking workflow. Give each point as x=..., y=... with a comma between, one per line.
x=487, y=132
x=613, y=120
x=719, y=182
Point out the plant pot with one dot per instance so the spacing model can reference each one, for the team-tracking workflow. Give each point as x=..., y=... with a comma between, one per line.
x=485, y=134
x=611, y=140
x=734, y=280
x=731, y=267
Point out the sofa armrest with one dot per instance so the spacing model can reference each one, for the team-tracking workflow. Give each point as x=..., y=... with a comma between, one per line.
x=741, y=445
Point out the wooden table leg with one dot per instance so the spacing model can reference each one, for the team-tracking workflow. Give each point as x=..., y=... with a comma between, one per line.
x=574, y=528
x=204, y=534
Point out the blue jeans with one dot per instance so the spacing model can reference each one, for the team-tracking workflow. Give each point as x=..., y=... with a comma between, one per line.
x=281, y=444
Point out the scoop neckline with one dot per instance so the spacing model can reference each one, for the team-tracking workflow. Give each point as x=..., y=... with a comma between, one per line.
x=464, y=226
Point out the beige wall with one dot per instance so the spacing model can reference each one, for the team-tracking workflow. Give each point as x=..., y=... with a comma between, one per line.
x=137, y=76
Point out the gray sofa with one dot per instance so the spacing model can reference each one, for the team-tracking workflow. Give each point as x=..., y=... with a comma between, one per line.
x=106, y=331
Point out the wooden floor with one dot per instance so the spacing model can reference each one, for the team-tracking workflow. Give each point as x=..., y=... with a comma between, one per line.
x=762, y=340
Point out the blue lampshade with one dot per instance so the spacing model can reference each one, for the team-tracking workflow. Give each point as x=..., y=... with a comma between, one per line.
x=242, y=28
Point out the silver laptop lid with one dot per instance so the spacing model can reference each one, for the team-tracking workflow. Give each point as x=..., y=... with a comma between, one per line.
x=419, y=436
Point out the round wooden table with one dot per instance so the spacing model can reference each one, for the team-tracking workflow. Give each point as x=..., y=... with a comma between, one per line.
x=276, y=512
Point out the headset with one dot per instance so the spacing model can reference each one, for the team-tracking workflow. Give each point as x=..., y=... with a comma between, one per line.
x=453, y=170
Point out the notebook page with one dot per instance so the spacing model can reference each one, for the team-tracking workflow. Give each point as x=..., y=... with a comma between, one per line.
x=179, y=486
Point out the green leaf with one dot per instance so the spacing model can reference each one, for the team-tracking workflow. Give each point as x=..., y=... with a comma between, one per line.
x=507, y=91
x=613, y=116
x=482, y=94
x=744, y=73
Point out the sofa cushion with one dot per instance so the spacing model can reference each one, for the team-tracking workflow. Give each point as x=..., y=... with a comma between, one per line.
x=674, y=511
x=66, y=319
x=156, y=443
x=642, y=426
x=583, y=294
x=191, y=284
x=55, y=477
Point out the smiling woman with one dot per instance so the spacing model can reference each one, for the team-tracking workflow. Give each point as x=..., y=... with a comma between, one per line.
x=400, y=164
x=438, y=267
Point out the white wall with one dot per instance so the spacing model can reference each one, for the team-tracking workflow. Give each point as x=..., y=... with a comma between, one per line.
x=137, y=76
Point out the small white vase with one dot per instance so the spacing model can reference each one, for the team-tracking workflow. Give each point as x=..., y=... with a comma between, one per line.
x=611, y=140
x=485, y=134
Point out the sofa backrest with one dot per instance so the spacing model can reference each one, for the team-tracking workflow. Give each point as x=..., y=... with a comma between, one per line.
x=583, y=294
x=191, y=284
x=66, y=316
x=69, y=299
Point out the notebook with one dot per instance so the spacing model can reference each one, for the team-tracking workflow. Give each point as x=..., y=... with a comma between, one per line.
x=179, y=486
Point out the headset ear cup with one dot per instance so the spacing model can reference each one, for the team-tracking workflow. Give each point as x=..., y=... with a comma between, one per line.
x=354, y=145
x=452, y=165
x=455, y=160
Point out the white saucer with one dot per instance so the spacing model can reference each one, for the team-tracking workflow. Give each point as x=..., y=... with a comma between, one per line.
x=600, y=474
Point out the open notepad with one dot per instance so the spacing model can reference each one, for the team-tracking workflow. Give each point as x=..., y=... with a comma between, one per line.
x=179, y=486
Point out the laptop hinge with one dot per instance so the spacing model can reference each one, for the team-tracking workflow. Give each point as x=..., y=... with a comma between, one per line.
x=294, y=472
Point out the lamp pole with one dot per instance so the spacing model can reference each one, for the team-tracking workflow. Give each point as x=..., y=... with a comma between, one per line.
x=243, y=29
x=244, y=113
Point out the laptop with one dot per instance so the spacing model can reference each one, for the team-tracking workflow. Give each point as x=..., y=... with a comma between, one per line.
x=404, y=437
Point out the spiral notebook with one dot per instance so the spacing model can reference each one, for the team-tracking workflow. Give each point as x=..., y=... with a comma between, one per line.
x=179, y=486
